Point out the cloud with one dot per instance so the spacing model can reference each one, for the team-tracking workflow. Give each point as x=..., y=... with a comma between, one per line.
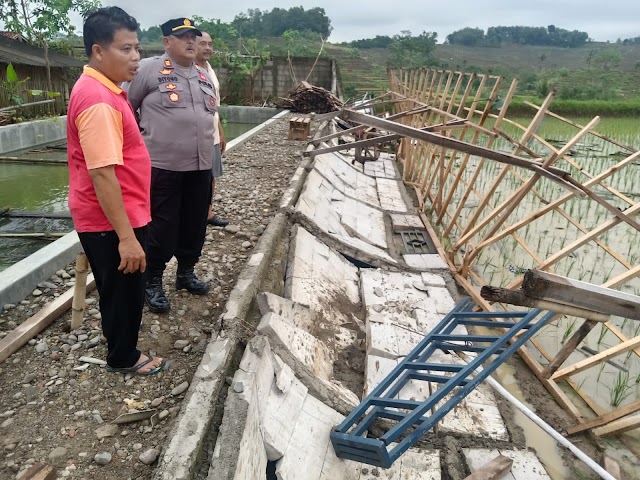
x=354, y=20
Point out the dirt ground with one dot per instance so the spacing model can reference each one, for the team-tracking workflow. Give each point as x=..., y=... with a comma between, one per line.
x=55, y=410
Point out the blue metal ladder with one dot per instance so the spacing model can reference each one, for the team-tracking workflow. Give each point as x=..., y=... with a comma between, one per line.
x=412, y=419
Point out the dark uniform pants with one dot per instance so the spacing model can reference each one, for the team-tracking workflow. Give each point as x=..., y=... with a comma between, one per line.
x=179, y=207
x=121, y=295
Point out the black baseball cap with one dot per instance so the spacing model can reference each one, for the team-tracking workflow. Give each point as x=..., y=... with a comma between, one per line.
x=178, y=26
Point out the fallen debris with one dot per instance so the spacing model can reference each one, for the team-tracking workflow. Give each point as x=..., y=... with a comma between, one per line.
x=307, y=98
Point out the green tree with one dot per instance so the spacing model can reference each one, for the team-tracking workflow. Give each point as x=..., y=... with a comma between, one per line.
x=223, y=34
x=40, y=21
x=275, y=23
x=466, y=36
x=247, y=66
x=150, y=35
x=409, y=52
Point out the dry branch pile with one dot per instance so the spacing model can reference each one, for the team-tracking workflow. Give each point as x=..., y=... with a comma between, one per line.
x=6, y=118
x=307, y=98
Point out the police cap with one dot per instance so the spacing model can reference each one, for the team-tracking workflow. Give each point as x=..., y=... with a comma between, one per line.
x=179, y=26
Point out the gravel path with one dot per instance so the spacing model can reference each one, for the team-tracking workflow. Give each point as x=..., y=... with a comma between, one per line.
x=56, y=408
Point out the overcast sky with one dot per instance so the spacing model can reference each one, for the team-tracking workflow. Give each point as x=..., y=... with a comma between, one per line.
x=351, y=20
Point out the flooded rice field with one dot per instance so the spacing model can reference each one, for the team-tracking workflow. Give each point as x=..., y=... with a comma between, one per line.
x=611, y=253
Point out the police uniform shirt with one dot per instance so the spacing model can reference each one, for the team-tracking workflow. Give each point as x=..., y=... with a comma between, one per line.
x=176, y=106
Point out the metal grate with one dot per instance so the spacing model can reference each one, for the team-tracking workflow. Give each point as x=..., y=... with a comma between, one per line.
x=410, y=419
x=415, y=242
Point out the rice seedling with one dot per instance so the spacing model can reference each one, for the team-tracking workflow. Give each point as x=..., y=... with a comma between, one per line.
x=621, y=389
x=603, y=332
x=569, y=330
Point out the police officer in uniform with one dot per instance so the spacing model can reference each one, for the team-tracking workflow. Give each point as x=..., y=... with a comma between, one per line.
x=176, y=101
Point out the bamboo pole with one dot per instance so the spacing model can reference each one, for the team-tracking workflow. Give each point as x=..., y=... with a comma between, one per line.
x=79, y=291
x=466, y=158
x=596, y=359
x=509, y=205
x=552, y=206
x=605, y=418
x=580, y=127
x=535, y=123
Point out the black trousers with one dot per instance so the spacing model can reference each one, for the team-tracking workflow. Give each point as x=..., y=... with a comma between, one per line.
x=121, y=295
x=179, y=206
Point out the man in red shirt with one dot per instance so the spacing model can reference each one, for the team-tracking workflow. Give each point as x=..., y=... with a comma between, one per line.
x=109, y=183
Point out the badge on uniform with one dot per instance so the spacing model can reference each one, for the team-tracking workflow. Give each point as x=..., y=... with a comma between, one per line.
x=166, y=71
x=168, y=64
x=170, y=86
x=174, y=97
x=212, y=101
x=202, y=77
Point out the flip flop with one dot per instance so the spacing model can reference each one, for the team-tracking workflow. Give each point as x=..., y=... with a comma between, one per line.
x=135, y=370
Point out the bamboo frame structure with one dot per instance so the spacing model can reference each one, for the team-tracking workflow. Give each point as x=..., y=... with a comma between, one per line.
x=481, y=211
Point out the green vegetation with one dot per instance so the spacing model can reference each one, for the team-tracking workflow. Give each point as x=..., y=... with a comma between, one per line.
x=408, y=51
x=257, y=24
x=519, y=35
x=40, y=21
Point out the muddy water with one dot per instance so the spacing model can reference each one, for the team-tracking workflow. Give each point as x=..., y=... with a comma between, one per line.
x=44, y=188
x=545, y=447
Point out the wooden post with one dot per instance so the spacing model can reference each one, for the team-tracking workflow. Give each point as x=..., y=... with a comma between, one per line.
x=79, y=291
x=547, y=286
x=568, y=348
x=518, y=297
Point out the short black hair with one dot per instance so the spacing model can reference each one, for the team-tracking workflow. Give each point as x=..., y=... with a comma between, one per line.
x=101, y=25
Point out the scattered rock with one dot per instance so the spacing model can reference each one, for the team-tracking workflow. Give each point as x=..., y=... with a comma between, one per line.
x=180, y=344
x=106, y=431
x=42, y=347
x=36, y=292
x=57, y=454
x=180, y=389
x=102, y=458
x=149, y=456
x=232, y=228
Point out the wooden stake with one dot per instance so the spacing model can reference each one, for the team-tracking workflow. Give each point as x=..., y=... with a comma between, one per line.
x=619, y=426
x=80, y=291
x=568, y=348
x=38, y=322
x=596, y=359
x=606, y=418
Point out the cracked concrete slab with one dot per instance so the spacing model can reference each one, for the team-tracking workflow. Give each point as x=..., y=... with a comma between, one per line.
x=347, y=180
x=297, y=347
x=526, y=465
x=404, y=292
x=425, y=261
x=405, y=222
x=322, y=276
x=335, y=213
x=390, y=195
x=310, y=359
